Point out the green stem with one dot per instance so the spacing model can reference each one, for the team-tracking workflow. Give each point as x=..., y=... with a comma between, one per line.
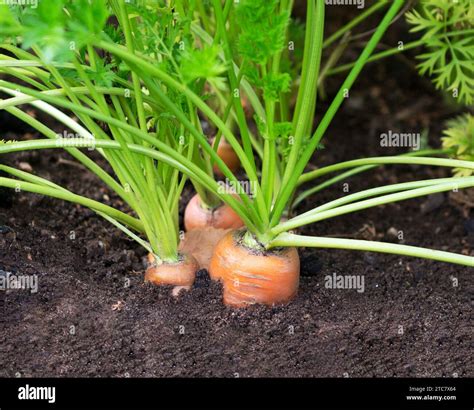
x=128, y=128
x=286, y=239
x=311, y=216
x=70, y=197
x=202, y=14
x=288, y=189
x=345, y=175
x=186, y=167
x=354, y=22
x=86, y=161
x=203, y=143
x=205, y=109
x=378, y=56
x=306, y=101
x=395, y=50
x=440, y=162
x=241, y=119
x=404, y=186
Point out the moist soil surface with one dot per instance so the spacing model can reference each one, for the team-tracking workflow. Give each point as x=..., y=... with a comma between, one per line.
x=93, y=315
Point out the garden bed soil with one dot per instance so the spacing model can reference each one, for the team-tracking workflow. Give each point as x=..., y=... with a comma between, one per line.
x=93, y=315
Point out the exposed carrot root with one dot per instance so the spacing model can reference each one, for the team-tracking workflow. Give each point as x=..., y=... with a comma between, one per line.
x=180, y=274
x=228, y=155
x=251, y=277
x=197, y=217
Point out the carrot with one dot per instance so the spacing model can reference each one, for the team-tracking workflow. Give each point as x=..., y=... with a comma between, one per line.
x=228, y=155
x=196, y=216
x=181, y=273
x=251, y=276
x=246, y=105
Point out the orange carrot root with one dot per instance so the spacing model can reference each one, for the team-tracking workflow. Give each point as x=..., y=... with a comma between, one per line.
x=228, y=155
x=250, y=277
x=196, y=217
x=181, y=273
x=248, y=109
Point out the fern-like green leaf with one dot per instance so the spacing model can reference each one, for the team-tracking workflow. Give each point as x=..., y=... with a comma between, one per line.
x=449, y=58
x=459, y=137
x=202, y=64
x=263, y=29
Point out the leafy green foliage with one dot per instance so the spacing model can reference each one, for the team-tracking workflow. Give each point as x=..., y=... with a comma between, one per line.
x=274, y=84
x=262, y=36
x=203, y=64
x=459, y=136
x=8, y=24
x=89, y=18
x=162, y=33
x=165, y=36
x=449, y=57
x=102, y=76
x=45, y=27
x=57, y=28
x=283, y=132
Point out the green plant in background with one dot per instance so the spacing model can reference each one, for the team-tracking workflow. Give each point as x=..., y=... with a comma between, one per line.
x=459, y=139
x=169, y=61
x=447, y=44
x=449, y=58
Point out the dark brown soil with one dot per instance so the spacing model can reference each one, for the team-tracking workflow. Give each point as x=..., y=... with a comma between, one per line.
x=94, y=316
